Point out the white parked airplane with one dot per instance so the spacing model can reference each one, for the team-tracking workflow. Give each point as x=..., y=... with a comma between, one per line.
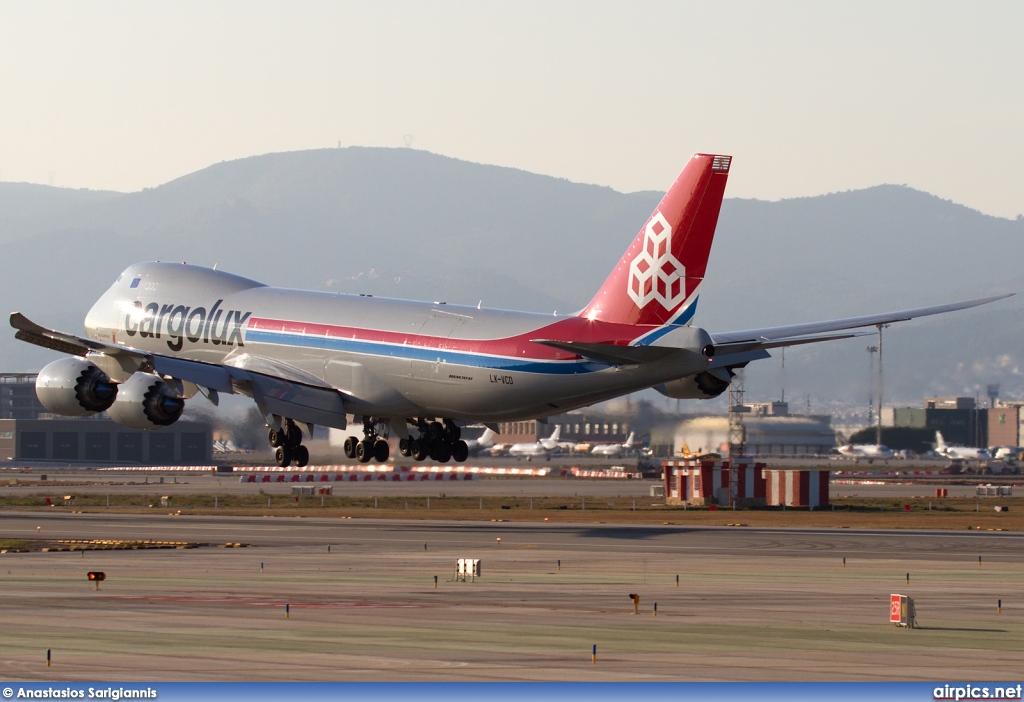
x=960, y=452
x=165, y=332
x=609, y=450
x=543, y=447
x=880, y=451
x=484, y=443
x=1006, y=453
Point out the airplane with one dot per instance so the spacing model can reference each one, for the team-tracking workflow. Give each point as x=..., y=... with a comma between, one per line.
x=610, y=450
x=960, y=452
x=880, y=451
x=700, y=453
x=559, y=446
x=484, y=443
x=542, y=447
x=1007, y=453
x=166, y=332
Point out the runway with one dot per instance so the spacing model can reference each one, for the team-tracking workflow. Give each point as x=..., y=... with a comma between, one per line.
x=764, y=604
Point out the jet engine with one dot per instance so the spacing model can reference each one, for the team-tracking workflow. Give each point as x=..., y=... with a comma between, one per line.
x=74, y=387
x=703, y=386
x=144, y=401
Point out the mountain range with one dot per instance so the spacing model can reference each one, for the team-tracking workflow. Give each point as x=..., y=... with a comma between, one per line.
x=411, y=224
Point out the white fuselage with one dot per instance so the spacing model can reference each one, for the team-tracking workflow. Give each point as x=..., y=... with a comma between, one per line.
x=388, y=357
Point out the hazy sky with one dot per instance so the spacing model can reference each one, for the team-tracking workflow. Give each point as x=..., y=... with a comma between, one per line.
x=809, y=97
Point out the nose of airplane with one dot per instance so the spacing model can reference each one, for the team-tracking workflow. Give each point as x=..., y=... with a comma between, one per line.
x=102, y=319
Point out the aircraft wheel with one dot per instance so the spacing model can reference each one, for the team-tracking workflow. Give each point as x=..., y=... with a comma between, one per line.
x=435, y=430
x=364, y=451
x=420, y=449
x=452, y=432
x=301, y=456
x=283, y=456
x=294, y=436
x=460, y=451
x=381, y=451
x=275, y=438
x=350, y=447
x=441, y=451
x=403, y=447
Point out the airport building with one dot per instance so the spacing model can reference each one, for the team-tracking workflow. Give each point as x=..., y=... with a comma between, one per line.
x=711, y=483
x=580, y=427
x=100, y=440
x=958, y=418
x=1004, y=424
x=29, y=432
x=18, y=396
x=768, y=431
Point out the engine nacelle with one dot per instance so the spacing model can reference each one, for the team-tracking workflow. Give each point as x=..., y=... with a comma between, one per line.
x=702, y=386
x=74, y=387
x=144, y=401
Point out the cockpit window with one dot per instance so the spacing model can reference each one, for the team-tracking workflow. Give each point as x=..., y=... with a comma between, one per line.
x=135, y=282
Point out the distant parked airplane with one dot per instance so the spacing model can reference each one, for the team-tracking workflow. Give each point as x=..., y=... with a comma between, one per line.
x=867, y=451
x=1006, y=453
x=166, y=332
x=610, y=450
x=955, y=451
x=484, y=443
x=542, y=447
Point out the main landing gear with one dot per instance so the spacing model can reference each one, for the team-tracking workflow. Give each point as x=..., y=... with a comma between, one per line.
x=371, y=448
x=440, y=442
x=288, y=445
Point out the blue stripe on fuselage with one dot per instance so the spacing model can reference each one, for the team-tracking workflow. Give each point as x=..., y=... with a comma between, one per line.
x=423, y=353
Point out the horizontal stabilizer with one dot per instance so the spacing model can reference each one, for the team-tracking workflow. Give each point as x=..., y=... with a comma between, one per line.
x=612, y=354
x=740, y=359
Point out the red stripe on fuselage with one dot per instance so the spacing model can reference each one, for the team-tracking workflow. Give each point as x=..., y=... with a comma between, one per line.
x=518, y=346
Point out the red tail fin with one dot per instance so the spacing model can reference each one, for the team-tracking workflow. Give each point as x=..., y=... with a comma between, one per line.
x=656, y=281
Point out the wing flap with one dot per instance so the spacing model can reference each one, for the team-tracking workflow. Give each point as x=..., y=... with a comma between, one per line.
x=743, y=346
x=299, y=402
x=50, y=343
x=205, y=375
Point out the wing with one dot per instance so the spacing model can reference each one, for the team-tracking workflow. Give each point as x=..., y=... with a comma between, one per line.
x=752, y=340
x=277, y=388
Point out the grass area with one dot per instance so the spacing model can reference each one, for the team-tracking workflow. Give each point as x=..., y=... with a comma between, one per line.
x=11, y=544
x=848, y=512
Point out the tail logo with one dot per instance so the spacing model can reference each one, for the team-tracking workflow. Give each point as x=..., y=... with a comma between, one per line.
x=656, y=274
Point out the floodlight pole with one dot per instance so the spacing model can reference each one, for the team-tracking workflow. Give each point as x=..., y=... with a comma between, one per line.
x=872, y=350
x=879, y=327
